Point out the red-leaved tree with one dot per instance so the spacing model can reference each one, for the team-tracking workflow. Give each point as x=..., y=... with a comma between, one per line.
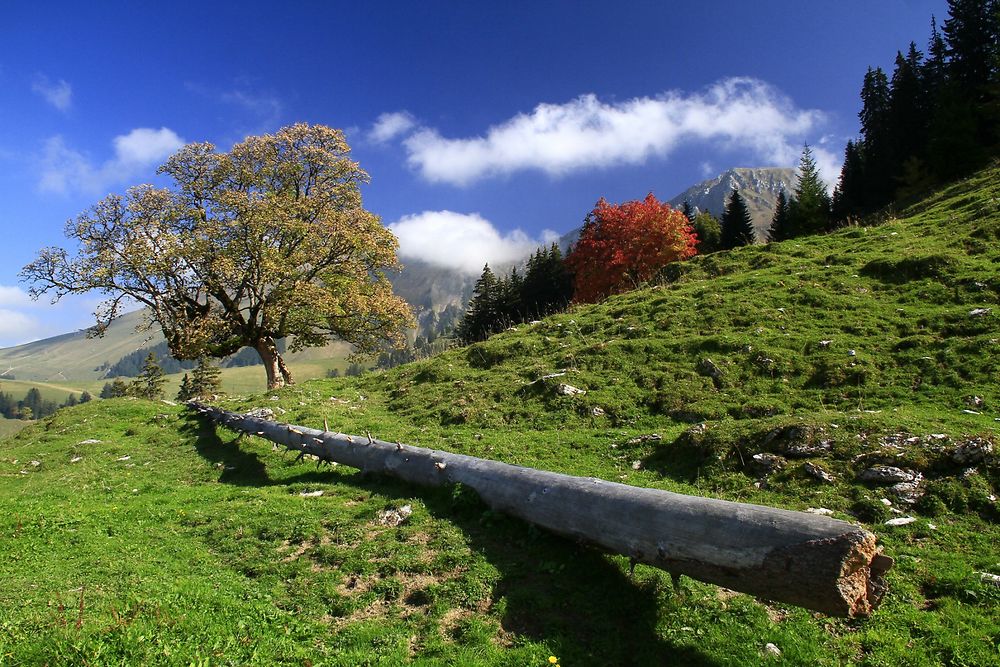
x=623, y=245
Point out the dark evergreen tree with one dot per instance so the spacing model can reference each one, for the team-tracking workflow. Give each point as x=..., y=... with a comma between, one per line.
x=114, y=389
x=185, y=393
x=909, y=115
x=85, y=397
x=149, y=384
x=809, y=208
x=849, y=195
x=688, y=211
x=206, y=379
x=709, y=232
x=876, y=144
x=778, y=231
x=737, y=225
x=71, y=400
x=481, y=316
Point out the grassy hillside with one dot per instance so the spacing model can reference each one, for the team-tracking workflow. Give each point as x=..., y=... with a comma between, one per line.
x=865, y=348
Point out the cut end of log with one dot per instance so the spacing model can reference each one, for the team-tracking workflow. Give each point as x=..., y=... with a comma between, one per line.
x=862, y=579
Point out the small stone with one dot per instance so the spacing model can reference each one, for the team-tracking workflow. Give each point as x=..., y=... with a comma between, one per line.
x=569, y=390
x=651, y=437
x=979, y=312
x=772, y=650
x=636, y=465
x=312, y=494
x=886, y=502
x=768, y=463
x=886, y=475
x=900, y=521
x=597, y=412
x=825, y=343
x=988, y=578
x=89, y=442
x=76, y=459
x=814, y=470
x=852, y=353
x=260, y=413
x=822, y=511
x=123, y=458
x=35, y=463
x=395, y=517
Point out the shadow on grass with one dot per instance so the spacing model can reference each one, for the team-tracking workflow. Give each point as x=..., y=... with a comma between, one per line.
x=239, y=467
x=581, y=603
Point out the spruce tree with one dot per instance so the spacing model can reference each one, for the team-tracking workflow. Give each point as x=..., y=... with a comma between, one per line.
x=809, y=209
x=85, y=397
x=149, y=384
x=185, y=393
x=849, y=195
x=737, y=225
x=688, y=211
x=482, y=312
x=205, y=378
x=876, y=145
x=778, y=231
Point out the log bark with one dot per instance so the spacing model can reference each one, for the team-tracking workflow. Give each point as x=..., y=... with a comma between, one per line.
x=802, y=559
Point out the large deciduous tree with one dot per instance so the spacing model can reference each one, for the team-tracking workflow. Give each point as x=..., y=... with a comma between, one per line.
x=266, y=241
x=622, y=245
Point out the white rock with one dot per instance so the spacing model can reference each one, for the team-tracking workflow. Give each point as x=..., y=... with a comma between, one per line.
x=123, y=458
x=89, y=442
x=979, y=312
x=901, y=521
x=988, y=578
x=822, y=511
x=569, y=390
x=311, y=494
x=771, y=649
x=886, y=502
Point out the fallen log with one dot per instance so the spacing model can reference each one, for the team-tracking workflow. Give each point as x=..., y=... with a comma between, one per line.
x=797, y=558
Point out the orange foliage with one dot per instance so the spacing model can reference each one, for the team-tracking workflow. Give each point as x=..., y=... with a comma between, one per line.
x=624, y=245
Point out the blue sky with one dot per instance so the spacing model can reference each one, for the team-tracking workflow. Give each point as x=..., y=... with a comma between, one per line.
x=486, y=127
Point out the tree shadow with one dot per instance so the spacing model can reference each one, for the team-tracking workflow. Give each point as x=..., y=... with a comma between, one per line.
x=583, y=604
x=238, y=467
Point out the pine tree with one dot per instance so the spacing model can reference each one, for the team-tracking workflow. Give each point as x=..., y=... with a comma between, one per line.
x=909, y=116
x=809, y=209
x=778, y=231
x=876, y=145
x=849, y=195
x=185, y=393
x=149, y=384
x=482, y=312
x=206, y=378
x=85, y=397
x=688, y=211
x=737, y=225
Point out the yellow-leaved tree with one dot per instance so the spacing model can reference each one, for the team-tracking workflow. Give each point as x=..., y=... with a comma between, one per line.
x=266, y=241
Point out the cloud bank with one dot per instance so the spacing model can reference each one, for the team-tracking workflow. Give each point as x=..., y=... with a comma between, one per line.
x=64, y=169
x=57, y=93
x=586, y=133
x=461, y=241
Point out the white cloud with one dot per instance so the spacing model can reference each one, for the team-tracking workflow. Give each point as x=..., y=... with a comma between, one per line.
x=17, y=328
x=388, y=126
x=585, y=133
x=13, y=296
x=64, y=169
x=58, y=93
x=462, y=241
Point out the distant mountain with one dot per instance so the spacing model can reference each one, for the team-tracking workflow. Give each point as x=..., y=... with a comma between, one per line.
x=758, y=186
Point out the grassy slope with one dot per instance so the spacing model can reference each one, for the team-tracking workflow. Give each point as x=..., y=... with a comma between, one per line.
x=201, y=549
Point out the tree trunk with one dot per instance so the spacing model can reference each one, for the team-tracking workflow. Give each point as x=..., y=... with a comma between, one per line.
x=802, y=559
x=286, y=374
x=272, y=361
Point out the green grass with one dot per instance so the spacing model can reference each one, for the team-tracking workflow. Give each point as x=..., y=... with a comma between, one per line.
x=200, y=549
